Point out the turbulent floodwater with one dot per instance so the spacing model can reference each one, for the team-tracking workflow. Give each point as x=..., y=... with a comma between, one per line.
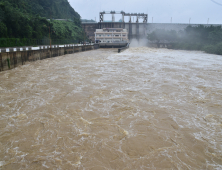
x=141, y=109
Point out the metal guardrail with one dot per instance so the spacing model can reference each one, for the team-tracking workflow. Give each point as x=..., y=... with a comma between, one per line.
x=123, y=48
x=28, y=48
x=18, y=42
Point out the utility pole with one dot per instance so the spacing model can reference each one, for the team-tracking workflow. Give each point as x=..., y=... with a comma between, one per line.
x=189, y=20
x=208, y=21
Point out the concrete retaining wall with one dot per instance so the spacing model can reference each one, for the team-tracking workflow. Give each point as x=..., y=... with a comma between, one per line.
x=12, y=59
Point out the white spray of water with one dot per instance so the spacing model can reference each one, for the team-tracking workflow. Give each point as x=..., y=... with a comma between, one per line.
x=139, y=43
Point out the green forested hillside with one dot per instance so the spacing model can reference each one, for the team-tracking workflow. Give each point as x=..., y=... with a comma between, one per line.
x=58, y=9
x=28, y=19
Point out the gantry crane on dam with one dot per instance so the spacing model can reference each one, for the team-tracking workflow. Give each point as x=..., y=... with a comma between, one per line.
x=138, y=16
x=135, y=29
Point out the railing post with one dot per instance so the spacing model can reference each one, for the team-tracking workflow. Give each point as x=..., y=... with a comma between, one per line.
x=1, y=62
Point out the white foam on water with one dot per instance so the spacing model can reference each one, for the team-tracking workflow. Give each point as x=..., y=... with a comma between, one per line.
x=2, y=163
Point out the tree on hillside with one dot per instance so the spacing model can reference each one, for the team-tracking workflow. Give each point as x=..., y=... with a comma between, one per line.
x=204, y=38
x=163, y=35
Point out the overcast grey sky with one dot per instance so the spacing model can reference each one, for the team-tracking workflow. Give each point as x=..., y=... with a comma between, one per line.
x=161, y=10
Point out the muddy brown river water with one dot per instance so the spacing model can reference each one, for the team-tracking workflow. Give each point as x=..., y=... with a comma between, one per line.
x=99, y=110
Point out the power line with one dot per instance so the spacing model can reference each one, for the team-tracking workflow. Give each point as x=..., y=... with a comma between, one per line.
x=216, y=2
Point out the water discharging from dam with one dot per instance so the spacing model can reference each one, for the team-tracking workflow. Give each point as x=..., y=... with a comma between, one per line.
x=141, y=109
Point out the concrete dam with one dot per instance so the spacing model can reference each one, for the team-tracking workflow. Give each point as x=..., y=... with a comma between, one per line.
x=136, y=30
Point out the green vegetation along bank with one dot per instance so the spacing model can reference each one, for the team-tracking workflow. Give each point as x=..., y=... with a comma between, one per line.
x=27, y=19
x=208, y=39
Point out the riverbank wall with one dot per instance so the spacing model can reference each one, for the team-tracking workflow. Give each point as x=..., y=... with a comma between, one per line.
x=13, y=57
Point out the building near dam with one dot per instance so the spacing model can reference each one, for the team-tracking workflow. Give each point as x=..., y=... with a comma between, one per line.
x=111, y=35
